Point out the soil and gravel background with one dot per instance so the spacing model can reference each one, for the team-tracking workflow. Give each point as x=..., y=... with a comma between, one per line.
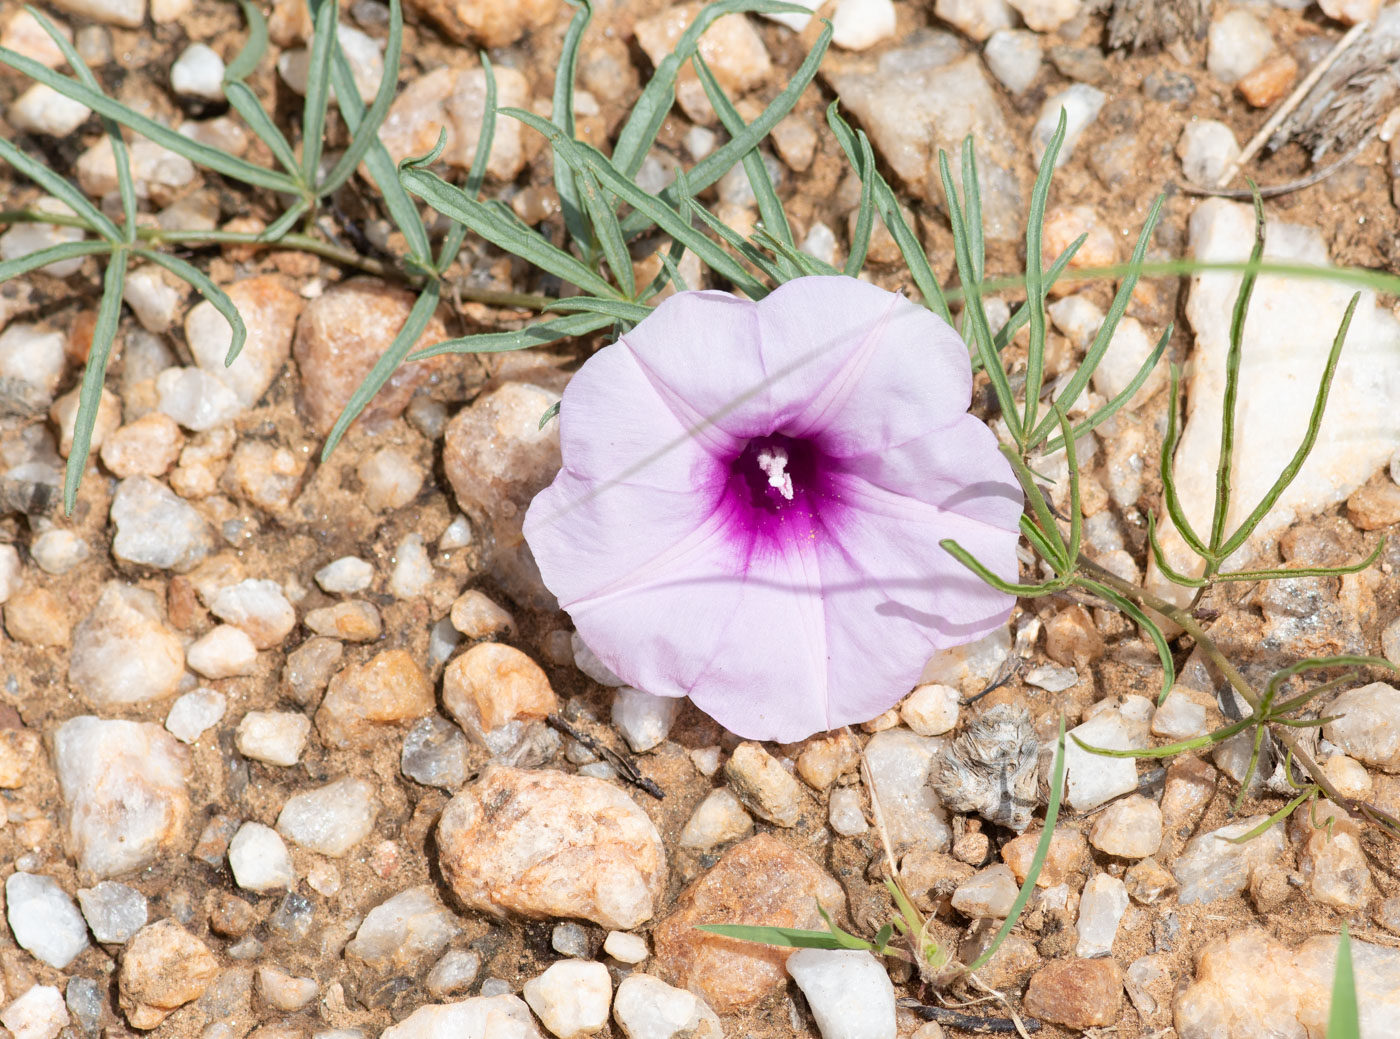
x=240, y=687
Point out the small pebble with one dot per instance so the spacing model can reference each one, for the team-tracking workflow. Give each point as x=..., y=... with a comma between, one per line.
x=644, y=720
x=58, y=551
x=931, y=710
x=259, y=859
x=435, y=753
x=718, y=819
x=44, y=920
x=763, y=785
x=845, y=813
x=407, y=930
x=570, y=939
x=332, y=819
x=477, y=616
x=453, y=974
x=858, y=25
x=1014, y=56
x=987, y=893
x=1130, y=828
x=39, y=1013
x=1237, y=43
x=412, y=571
x=114, y=911
x=571, y=998
x=273, y=737
x=457, y=535
x=224, y=652
x=625, y=947
x=198, y=72
x=284, y=992
x=392, y=478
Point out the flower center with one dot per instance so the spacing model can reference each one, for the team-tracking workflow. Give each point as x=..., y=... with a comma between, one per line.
x=775, y=471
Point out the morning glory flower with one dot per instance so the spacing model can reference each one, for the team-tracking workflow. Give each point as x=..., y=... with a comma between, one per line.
x=751, y=501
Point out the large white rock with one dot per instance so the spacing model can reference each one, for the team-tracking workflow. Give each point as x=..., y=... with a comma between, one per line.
x=899, y=764
x=1287, y=335
x=124, y=786
x=648, y=1008
x=848, y=990
x=571, y=997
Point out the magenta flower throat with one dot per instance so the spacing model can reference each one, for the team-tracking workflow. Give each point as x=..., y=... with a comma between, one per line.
x=752, y=497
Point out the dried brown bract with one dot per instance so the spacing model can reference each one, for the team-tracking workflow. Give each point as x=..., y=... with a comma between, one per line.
x=1149, y=23
x=991, y=769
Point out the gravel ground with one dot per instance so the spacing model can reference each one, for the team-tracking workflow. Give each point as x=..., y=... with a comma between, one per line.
x=293, y=748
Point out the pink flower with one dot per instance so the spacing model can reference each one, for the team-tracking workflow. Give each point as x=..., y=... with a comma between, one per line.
x=752, y=499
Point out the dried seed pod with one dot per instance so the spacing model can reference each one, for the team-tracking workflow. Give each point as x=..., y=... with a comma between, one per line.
x=991, y=769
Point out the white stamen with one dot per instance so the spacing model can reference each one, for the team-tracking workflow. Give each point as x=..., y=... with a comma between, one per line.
x=773, y=461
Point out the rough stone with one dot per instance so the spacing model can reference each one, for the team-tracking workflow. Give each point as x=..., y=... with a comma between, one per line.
x=760, y=882
x=492, y=689
x=1130, y=828
x=404, y=932
x=259, y=860
x=122, y=651
x=571, y=998
x=611, y=867
x=156, y=528
x=763, y=785
x=1368, y=726
x=1250, y=986
x=488, y=23
x=900, y=764
x=455, y=100
x=718, y=819
x=269, y=310
x=124, y=786
x=114, y=911
x=339, y=337
x=163, y=968
x=648, y=1008
x=1076, y=993
x=259, y=608
x=363, y=699
x=1210, y=868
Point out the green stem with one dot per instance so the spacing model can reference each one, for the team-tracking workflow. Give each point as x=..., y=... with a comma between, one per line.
x=1189, y=624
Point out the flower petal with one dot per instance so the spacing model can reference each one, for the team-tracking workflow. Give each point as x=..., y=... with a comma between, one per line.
x=749, y=648
x=700, y=350
x=615, y=426
x=957, y=468
x=880, y=371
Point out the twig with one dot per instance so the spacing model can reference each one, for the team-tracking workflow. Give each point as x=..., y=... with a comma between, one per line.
x=1290, y=103
x=875, y=811
x=625, y=767
x=968, y=1022
x=1274, y=190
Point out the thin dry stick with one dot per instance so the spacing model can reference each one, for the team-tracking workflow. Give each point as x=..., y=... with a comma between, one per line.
x=875, y=810
x=1291, y=102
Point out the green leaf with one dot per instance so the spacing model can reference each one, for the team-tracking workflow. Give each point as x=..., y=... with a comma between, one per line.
x=542, y=334
x=1126, y=394
x=851, y=941
x=1171, y=749
x=580, y=156
x=245, y=103
x=368, y=130
x=60, y=189
x=865, y=215
x=603, y=218
x=126, y=188
x=216, y=296
x=318, y=85
x=202, y=154
x=380, y=166
x=770, y=207
x=1159, y=640
x=972, y=194
x=457, y=234
x=722, y=159
x=1232, y=387
x=1099, y=346
x=619, y=309
x=1025, y=591
x=423, y=309
x=1169, y=493
x=53, y=254
x=549, y=413
x=650, y=112
x=736, y=241
x=563, y=116
x=1042, y=850
x=1281, y=574
x=94, y=375
x=888, y=207
x=1035, y=274
x=499, y=227
x=1344, y=1017
x=974, y=313
x=254, y=47
x=1281, y=814
x=1021, y=315
x=1285, y=478
x=786, y=937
